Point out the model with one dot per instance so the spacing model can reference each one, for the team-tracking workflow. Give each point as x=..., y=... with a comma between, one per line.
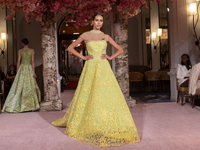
x=24, y=94
x=98, y=114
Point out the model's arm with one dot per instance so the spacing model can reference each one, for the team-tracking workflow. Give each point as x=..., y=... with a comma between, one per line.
x=73, y=51
x=33, y=65
x=198, y=77
x=8, y=77
x=18, y=61
x=116, y=46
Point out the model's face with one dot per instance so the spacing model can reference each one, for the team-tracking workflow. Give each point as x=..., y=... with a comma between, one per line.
x=12, y=68
x=97, y=22
x=184, y=59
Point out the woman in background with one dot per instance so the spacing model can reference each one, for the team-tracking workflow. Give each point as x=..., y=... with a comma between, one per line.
x=183, y=72
x=10, y=77
x=24, y=94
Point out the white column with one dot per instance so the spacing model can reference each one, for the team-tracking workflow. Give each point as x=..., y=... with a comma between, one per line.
x=178, y=36
x=59, y=78
x=154, y=28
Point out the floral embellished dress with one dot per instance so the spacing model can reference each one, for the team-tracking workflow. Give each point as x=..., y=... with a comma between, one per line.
x=24, y=94
x=98, y=114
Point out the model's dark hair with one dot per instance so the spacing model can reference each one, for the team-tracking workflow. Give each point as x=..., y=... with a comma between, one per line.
x=188, y=64
x=97, y=15
x=11, y=66
x=25, y=41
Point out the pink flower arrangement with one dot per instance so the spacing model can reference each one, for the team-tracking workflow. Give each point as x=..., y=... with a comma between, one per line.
x=79, y=10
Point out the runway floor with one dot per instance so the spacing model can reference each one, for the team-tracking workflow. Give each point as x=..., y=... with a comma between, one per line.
x=162, y=125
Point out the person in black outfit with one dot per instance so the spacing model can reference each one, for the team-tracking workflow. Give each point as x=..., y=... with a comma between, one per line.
x=10, y=77
x=2, y=75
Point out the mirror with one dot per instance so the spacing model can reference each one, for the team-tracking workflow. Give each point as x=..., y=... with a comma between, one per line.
x=164, y=42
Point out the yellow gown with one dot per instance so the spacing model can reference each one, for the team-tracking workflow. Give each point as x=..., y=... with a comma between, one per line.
x=98, y=114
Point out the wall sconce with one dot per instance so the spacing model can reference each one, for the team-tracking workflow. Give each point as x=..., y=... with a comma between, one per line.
x=3, y=36
x=2, y=50
x=194, y=11
x=154, y=37
x=193, y=8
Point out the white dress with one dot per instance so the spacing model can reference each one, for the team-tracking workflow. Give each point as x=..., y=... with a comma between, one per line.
x=181, y=72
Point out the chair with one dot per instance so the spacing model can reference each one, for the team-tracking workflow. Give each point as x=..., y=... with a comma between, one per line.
x=152, y=76
x=165, y=79
x=138, y=68
x=2, y=94
x=181, y=91
x=136, y=77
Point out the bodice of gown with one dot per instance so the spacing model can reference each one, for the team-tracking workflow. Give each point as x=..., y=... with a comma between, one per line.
x=26, y=56
x=96, y=43
x=96, y=48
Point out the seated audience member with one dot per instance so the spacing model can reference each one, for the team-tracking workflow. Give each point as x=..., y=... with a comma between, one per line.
x=10, y=77
x=183, y=71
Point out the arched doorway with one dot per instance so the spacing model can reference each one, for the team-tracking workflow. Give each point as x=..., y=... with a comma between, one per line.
x=67, y=33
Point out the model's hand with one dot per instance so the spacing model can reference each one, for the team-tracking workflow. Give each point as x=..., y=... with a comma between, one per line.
x=34, y=76
x=88, y=57
x=104, y=56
